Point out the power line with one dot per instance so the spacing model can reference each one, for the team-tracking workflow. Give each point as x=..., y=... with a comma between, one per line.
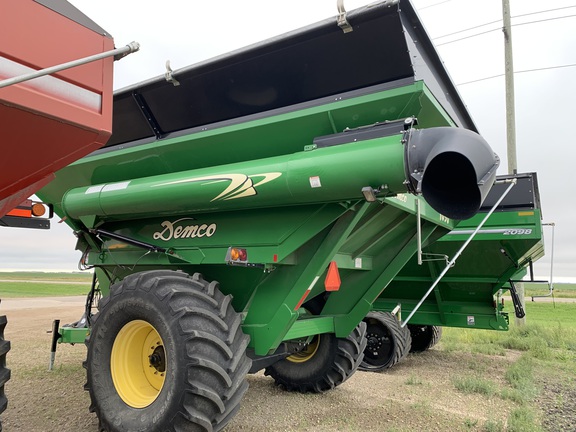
x=544, y=11
x=498, y=29
x=544, y=20
x=518, y=72
x=468, y=29
x=435, y=4
x=467, y=37
x=499, y=20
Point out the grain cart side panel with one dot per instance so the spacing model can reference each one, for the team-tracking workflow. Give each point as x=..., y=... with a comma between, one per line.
x=49, y=122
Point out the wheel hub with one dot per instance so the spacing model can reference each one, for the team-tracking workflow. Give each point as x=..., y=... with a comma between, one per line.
x=374, y=343
x=138, y=364
x=307, y=353
x=158, y=359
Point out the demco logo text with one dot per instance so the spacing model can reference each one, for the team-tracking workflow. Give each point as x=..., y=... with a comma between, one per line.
x=182, y=228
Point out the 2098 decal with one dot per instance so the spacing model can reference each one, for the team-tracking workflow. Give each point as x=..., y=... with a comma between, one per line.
x=518, y=231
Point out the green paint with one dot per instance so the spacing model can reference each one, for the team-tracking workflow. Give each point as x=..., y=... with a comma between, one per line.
x=264, y=186
x=73, y=335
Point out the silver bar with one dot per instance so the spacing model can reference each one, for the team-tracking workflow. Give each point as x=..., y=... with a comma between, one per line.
x=419, y=231
x=51, y=363
x=551, y=282
x=457, y=255
x=118, y=53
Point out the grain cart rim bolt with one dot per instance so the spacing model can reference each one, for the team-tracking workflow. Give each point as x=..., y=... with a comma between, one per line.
x=379, y=343
x=375, y=343
x=138, y=342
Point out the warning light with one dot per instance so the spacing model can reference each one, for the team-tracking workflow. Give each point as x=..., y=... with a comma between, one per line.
x=236, y=255
x=38, y=210
x=30, y=209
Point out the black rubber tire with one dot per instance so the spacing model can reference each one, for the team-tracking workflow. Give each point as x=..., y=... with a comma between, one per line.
x=4, y=371
x=424, y=337
x=388, y=343
x=206, y=378
x=333, y=362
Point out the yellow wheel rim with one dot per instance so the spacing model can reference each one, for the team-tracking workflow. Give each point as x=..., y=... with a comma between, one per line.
x=307, y=353
x=138, y=364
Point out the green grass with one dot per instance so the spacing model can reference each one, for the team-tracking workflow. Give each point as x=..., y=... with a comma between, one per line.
x=561, y=290
x=413, y=380
x=547, y=348
x=493, y=426
x=520, y=376
x=39, y=284
x=548, y=313
x=39, y=289
x=45, y=276
x=523, y=419
x=473, y=384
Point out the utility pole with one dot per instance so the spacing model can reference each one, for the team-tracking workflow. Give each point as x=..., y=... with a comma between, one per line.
x=511, y=116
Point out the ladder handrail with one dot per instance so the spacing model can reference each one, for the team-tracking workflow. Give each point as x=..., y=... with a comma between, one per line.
x=457, y=255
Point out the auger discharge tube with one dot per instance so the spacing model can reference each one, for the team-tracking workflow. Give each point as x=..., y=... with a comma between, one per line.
x=330, y=174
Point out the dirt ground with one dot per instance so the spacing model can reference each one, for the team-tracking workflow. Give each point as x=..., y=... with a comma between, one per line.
x=417, y=394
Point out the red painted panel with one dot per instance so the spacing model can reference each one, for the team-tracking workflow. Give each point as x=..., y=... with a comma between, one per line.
x=44, y=129
x=39, y=37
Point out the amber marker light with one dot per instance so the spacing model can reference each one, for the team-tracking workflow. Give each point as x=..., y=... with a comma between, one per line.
x=38, y=210
x=236, y=255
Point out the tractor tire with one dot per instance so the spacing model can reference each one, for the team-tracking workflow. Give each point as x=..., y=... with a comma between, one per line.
x=325, y=363
x=424, y=337
x=4, y=372
x=388, y=343
x=166, y=353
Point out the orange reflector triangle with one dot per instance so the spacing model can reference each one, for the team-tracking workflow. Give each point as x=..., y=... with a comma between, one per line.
x=332, y=282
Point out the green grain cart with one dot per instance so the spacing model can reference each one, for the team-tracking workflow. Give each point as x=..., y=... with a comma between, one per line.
x=249, y=211
x=469, y=295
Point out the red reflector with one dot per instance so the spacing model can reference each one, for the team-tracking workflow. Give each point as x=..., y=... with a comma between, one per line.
x=275, y=258
x=20, y=212
x=332, y=282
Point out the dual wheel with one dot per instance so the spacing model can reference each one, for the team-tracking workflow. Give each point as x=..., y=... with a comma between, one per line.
x=388, y=343
x=167, y=353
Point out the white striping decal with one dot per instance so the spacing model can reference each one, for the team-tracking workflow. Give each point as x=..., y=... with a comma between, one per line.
x=313, y=283
x=115, y=186
x=51, y=85
x=504, y=231
x=94, y=189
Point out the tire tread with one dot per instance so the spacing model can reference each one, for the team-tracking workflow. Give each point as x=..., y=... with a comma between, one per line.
x=215, y=347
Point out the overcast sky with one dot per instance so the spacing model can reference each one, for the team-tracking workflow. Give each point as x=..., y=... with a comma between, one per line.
x=187, y=32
